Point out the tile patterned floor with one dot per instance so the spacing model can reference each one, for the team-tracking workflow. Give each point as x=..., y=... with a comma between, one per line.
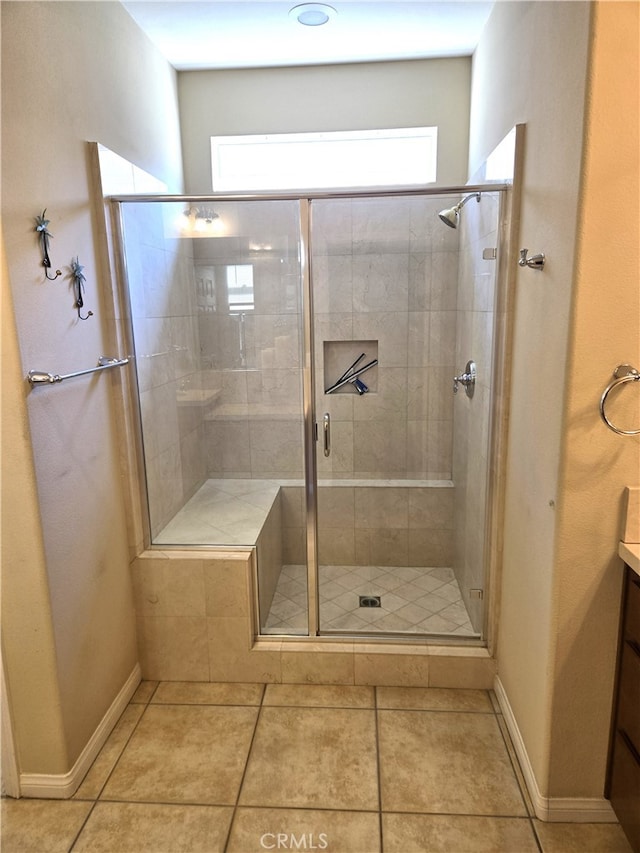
x=244, y=768
x=413, y=600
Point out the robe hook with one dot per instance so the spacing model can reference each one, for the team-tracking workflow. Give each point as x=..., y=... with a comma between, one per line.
x=78, y=283
x=45, y=236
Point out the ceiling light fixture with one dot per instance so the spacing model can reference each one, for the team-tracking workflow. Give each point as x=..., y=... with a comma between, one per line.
x=313, y=14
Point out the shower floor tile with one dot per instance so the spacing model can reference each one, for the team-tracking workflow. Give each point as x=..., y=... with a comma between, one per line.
x=423, y=601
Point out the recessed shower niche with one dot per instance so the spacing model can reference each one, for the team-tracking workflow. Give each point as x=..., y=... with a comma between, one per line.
x=350, y=367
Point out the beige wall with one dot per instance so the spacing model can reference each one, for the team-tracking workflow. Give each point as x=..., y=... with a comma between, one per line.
x=596, y=463
x=565, y=470
x=71, y=72
x=27, y=629
x=332, y=97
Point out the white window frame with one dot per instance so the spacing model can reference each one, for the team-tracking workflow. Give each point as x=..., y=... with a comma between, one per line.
x=335, y=159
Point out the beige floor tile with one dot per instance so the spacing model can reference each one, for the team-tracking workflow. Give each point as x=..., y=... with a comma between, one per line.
x=451, y=763
x=41, y=826
x=207, y=693
x=151, y=828
x=301, y=829
x=433, y=699
x=184, y=754
x=414, y=833
x=313, y=758
x=144, y=692
x=319, y=695
x=99, y=772
x=581, y=837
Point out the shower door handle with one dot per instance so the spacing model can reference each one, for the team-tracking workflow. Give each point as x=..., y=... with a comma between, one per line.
x=326, y=433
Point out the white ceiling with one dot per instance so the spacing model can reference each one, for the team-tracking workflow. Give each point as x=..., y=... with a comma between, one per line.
x=247, y=34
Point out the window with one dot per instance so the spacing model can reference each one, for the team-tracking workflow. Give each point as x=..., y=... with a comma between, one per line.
x=361, y=158
x=240, y=287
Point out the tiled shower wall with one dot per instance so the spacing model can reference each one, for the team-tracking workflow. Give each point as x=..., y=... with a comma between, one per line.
x=221, y=396
x=383, y=270
x=386, y=270
x=379, y=524
x=472, y=416
x=253, y=356
x=164, y=312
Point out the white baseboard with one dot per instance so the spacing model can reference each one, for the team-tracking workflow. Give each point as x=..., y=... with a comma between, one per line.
x=551, y=809
x=64, y=785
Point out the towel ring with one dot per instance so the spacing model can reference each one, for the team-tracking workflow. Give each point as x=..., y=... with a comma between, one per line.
x=623, y=373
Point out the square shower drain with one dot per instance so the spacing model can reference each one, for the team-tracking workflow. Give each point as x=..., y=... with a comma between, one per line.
x=369, y=601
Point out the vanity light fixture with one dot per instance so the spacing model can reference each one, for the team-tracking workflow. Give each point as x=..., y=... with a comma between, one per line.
x=202, y=222
x=313, y=14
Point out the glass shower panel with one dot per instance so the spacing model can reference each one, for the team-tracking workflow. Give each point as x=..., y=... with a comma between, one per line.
x=385, y=279
x=216, y=302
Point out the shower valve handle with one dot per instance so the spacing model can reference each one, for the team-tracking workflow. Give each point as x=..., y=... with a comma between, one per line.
x=467, y=379
x=534, y=262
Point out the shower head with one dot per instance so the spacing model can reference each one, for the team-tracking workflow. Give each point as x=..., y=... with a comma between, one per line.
x=451, y=215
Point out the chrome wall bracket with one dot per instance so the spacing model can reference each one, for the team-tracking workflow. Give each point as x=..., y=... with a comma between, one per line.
x=535, y=262
x=467, y=379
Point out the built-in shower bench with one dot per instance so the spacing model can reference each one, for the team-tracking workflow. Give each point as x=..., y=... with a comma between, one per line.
x=370, y=522
x=227, y=512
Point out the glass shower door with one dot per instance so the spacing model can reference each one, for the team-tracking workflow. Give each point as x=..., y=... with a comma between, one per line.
x=385, y=292
x=216, y=301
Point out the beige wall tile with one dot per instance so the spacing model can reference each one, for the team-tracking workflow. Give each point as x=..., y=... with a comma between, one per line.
x=173, y=648
x=317, y=668
x=336, y=546
x=319, y=695
x=461, y=672
x=163, y=588
x=226, y=587
x=335, y=506
x=395, y=670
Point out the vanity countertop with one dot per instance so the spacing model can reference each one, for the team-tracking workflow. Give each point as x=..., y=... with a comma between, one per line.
x=630, y=553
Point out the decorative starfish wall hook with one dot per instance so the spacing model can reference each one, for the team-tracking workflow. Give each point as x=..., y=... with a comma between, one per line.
x=45, y=236
x=78, y=284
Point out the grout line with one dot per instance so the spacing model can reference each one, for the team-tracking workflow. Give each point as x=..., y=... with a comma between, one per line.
x=126, y=744
x=515, y=764
x=96, y=799
x=535, y=834
x=246, y=765
x=378, y=758
x=84, y=823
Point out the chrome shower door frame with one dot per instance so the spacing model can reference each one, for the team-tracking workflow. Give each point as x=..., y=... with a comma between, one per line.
x=309, y=413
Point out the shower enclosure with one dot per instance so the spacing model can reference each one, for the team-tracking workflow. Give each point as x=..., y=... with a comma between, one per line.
x=295, y=362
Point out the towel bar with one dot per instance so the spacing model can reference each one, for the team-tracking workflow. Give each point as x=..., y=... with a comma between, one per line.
x=105, y=362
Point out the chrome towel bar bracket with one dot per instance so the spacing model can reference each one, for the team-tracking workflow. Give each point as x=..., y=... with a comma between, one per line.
x=41, y=377
x=621, y=375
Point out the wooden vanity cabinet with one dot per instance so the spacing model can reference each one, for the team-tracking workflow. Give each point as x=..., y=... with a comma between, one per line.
x=623, y=778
